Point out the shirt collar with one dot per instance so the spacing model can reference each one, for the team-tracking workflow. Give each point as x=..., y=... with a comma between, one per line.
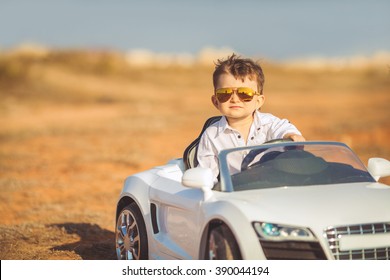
x=262, y=119
x=223, y=125
x=257, y=120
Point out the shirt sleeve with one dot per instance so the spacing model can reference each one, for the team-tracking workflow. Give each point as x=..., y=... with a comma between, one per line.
x=281, y=127
x=207, y=155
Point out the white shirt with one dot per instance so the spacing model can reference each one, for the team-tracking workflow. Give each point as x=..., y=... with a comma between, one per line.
x=220, y=136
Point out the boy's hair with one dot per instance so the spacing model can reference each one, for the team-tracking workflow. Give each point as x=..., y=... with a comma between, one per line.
x=240, y=68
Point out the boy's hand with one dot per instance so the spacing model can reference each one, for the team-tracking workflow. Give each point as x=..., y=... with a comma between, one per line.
x=294, y=137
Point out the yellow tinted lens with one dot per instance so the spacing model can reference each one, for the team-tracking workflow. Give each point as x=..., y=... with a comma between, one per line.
x=244, y=97
x=224, y=94
x=247, y=91
x=245, y=94
x=223, y=97
x=224, y=90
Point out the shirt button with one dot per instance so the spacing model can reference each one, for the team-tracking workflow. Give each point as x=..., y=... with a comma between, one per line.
x=252, y=138
x=239, y=136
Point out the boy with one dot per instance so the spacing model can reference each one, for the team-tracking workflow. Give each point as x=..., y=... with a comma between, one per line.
x=238, y=95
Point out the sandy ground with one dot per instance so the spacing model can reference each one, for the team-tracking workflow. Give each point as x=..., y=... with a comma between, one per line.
x=70, y=137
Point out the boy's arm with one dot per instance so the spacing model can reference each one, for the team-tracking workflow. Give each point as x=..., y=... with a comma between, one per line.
x=282, y=128
x=294, y=137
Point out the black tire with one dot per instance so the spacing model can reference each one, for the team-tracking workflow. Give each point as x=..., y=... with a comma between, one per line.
x=130, y=234
x=221, y=244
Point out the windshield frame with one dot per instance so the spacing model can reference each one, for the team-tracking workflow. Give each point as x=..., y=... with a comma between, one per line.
x=226, y=184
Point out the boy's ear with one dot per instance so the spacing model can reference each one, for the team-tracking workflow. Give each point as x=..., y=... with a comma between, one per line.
x=214, y=101
x=260, y=101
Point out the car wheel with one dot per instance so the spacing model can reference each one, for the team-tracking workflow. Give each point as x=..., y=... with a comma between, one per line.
x=131, y=238
x=222, y=245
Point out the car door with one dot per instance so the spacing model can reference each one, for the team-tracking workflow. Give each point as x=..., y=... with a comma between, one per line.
x=177, y=217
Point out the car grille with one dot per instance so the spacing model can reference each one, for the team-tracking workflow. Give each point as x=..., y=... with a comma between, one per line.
x=333, y=235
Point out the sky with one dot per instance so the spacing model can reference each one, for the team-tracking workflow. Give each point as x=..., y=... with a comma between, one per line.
x=273, y=29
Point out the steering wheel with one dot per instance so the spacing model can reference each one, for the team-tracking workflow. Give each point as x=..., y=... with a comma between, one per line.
x=278, y=140
x=254, y=153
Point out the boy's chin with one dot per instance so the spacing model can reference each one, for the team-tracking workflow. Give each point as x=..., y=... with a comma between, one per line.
x=238, y=116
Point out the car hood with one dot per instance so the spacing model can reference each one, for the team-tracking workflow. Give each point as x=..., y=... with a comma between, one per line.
x=317, y=206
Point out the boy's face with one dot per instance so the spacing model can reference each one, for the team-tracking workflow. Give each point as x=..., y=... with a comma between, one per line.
x=235, y=108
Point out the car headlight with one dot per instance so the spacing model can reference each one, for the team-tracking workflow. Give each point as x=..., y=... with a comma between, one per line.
x=277, y=232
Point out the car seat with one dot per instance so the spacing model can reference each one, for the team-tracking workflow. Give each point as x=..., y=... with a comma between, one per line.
x=190, y=153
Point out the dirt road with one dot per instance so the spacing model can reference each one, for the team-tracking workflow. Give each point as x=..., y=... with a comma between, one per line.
x=70, y=135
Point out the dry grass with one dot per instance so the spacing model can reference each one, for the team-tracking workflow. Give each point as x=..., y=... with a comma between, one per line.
x=74, y=124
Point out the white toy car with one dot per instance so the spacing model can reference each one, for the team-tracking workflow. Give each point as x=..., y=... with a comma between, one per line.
x=286, y=200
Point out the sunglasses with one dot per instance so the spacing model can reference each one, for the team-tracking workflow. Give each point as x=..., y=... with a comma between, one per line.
x=245, y=94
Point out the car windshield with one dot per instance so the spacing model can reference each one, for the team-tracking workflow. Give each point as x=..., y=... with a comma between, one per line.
x=290, y=164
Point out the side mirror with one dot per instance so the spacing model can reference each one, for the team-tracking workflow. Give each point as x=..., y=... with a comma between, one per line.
x=378, y=167
x=201, y=178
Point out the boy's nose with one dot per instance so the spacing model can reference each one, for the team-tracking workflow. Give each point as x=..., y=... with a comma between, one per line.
x=234, y=97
